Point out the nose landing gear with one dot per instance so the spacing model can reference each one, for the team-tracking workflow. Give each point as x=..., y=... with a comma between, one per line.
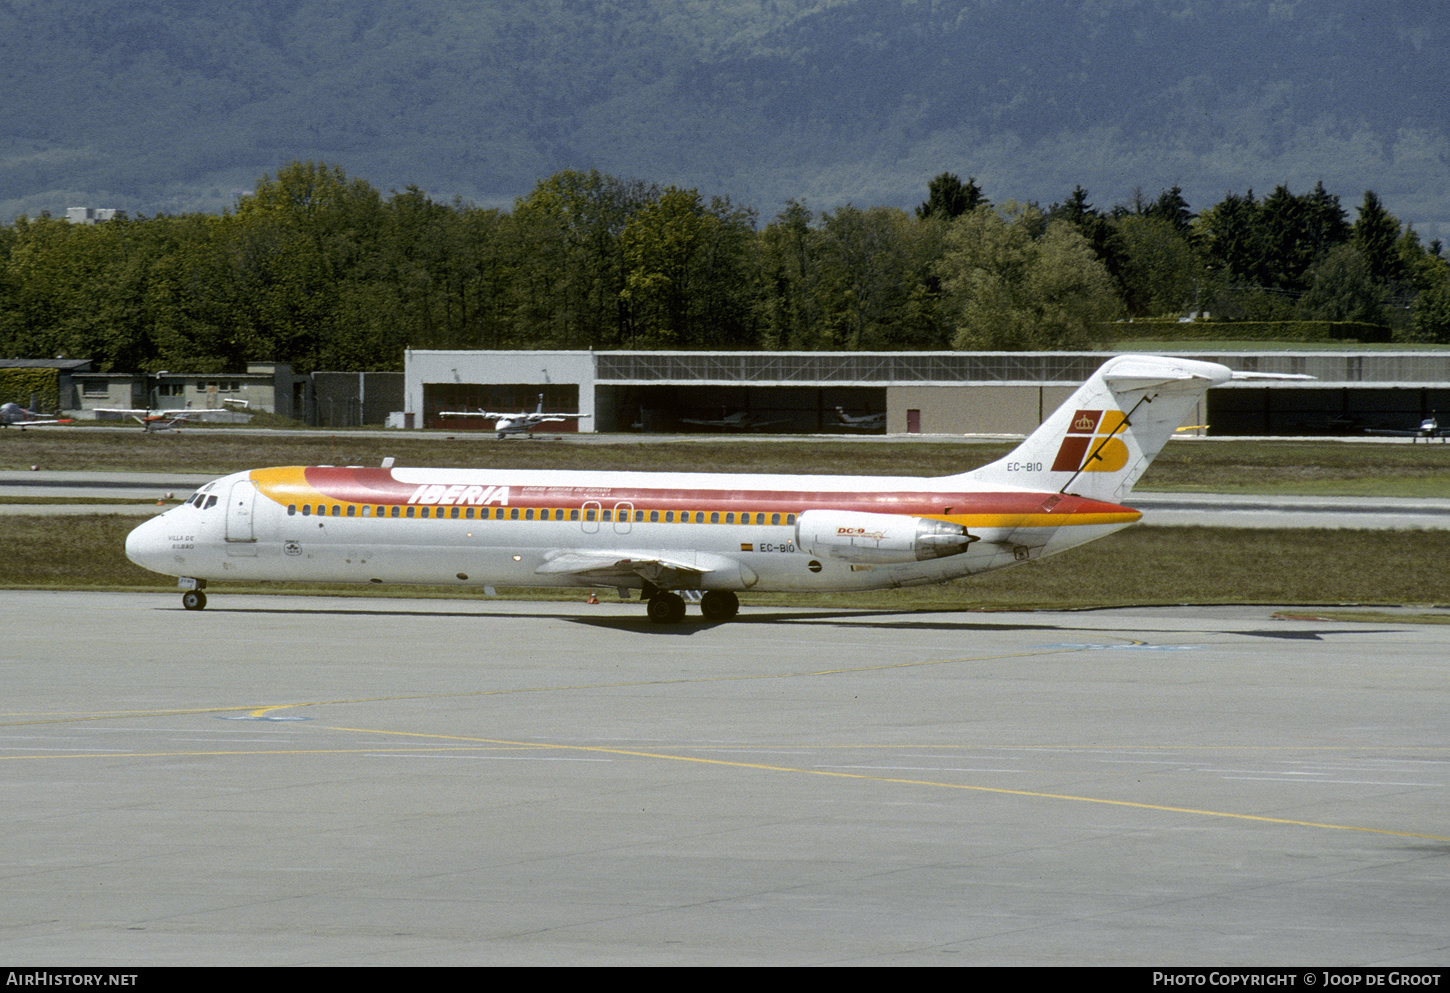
x=192, y=597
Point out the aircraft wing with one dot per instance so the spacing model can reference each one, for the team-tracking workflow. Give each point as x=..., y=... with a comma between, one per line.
x=38, y=422
x=1240, y=374
x=608, y=567
x=603, y=565
x=489, y=415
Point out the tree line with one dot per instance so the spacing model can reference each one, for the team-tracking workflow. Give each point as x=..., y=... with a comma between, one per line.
x=324, y=272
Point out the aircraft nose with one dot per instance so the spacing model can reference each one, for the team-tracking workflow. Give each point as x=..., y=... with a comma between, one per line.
x=145, y=547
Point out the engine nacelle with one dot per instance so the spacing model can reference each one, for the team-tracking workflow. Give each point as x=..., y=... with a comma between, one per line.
x=878, y=538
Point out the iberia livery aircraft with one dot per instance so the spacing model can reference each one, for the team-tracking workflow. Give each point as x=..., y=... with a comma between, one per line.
x=660, y=532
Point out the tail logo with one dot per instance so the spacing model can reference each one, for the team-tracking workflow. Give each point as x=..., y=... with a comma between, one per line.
x=1094, y=437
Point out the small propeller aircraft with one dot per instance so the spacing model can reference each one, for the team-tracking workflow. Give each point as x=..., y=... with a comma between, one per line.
x=1429, y=429
x=741, y=420
x=14, y=415
x=153, y=421
x=523, y=422
x=861, y=422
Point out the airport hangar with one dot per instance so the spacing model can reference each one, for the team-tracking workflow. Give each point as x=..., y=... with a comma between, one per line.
x=988, y=393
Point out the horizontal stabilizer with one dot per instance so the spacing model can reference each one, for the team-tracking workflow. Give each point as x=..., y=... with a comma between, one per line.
x=1125, y=375
x=1240, y=375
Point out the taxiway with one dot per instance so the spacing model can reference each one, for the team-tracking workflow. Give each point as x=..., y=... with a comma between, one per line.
x=313, y=780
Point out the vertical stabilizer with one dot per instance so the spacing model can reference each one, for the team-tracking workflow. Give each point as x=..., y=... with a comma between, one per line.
x=1099, y=442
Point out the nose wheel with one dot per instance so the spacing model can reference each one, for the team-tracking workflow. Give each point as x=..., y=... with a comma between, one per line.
x=193, y=600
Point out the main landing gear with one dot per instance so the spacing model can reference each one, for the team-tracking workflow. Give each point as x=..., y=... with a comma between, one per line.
x=665, y=607
x=719, y=605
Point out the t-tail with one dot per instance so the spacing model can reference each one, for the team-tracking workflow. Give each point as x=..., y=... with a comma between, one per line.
x=1099, y=443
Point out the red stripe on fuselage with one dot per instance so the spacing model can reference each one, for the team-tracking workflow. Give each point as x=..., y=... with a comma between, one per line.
x=378, y=487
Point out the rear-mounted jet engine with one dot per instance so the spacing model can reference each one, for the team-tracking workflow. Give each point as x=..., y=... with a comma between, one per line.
x=878, y=538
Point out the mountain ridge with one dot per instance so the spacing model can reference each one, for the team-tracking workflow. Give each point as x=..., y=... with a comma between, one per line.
x=163, y=107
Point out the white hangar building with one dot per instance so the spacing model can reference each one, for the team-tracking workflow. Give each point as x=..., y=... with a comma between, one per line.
x=917, y=392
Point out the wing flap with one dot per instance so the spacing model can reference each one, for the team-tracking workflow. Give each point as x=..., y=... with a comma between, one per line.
x=609, y=566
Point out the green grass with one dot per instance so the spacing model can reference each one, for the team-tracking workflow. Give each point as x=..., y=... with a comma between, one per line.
x=1138, y=566
x=1303, y=468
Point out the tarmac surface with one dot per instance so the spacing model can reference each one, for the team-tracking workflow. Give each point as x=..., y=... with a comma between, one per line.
x=313, y=780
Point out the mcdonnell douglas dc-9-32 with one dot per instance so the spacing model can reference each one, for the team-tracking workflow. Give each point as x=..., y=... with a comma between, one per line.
x=720, y=533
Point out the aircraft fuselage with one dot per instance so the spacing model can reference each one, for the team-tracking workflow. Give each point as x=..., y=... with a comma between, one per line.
x=476, y=527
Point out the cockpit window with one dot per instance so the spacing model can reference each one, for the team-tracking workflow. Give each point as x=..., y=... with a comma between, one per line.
x=210, y=503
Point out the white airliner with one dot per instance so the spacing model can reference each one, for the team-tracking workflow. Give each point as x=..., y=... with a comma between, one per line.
x=523, y=422
x=722, y=533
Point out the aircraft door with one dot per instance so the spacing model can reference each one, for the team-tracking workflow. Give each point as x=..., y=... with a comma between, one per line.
x=623, y=514
x=589, y=516
x=241, y=534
